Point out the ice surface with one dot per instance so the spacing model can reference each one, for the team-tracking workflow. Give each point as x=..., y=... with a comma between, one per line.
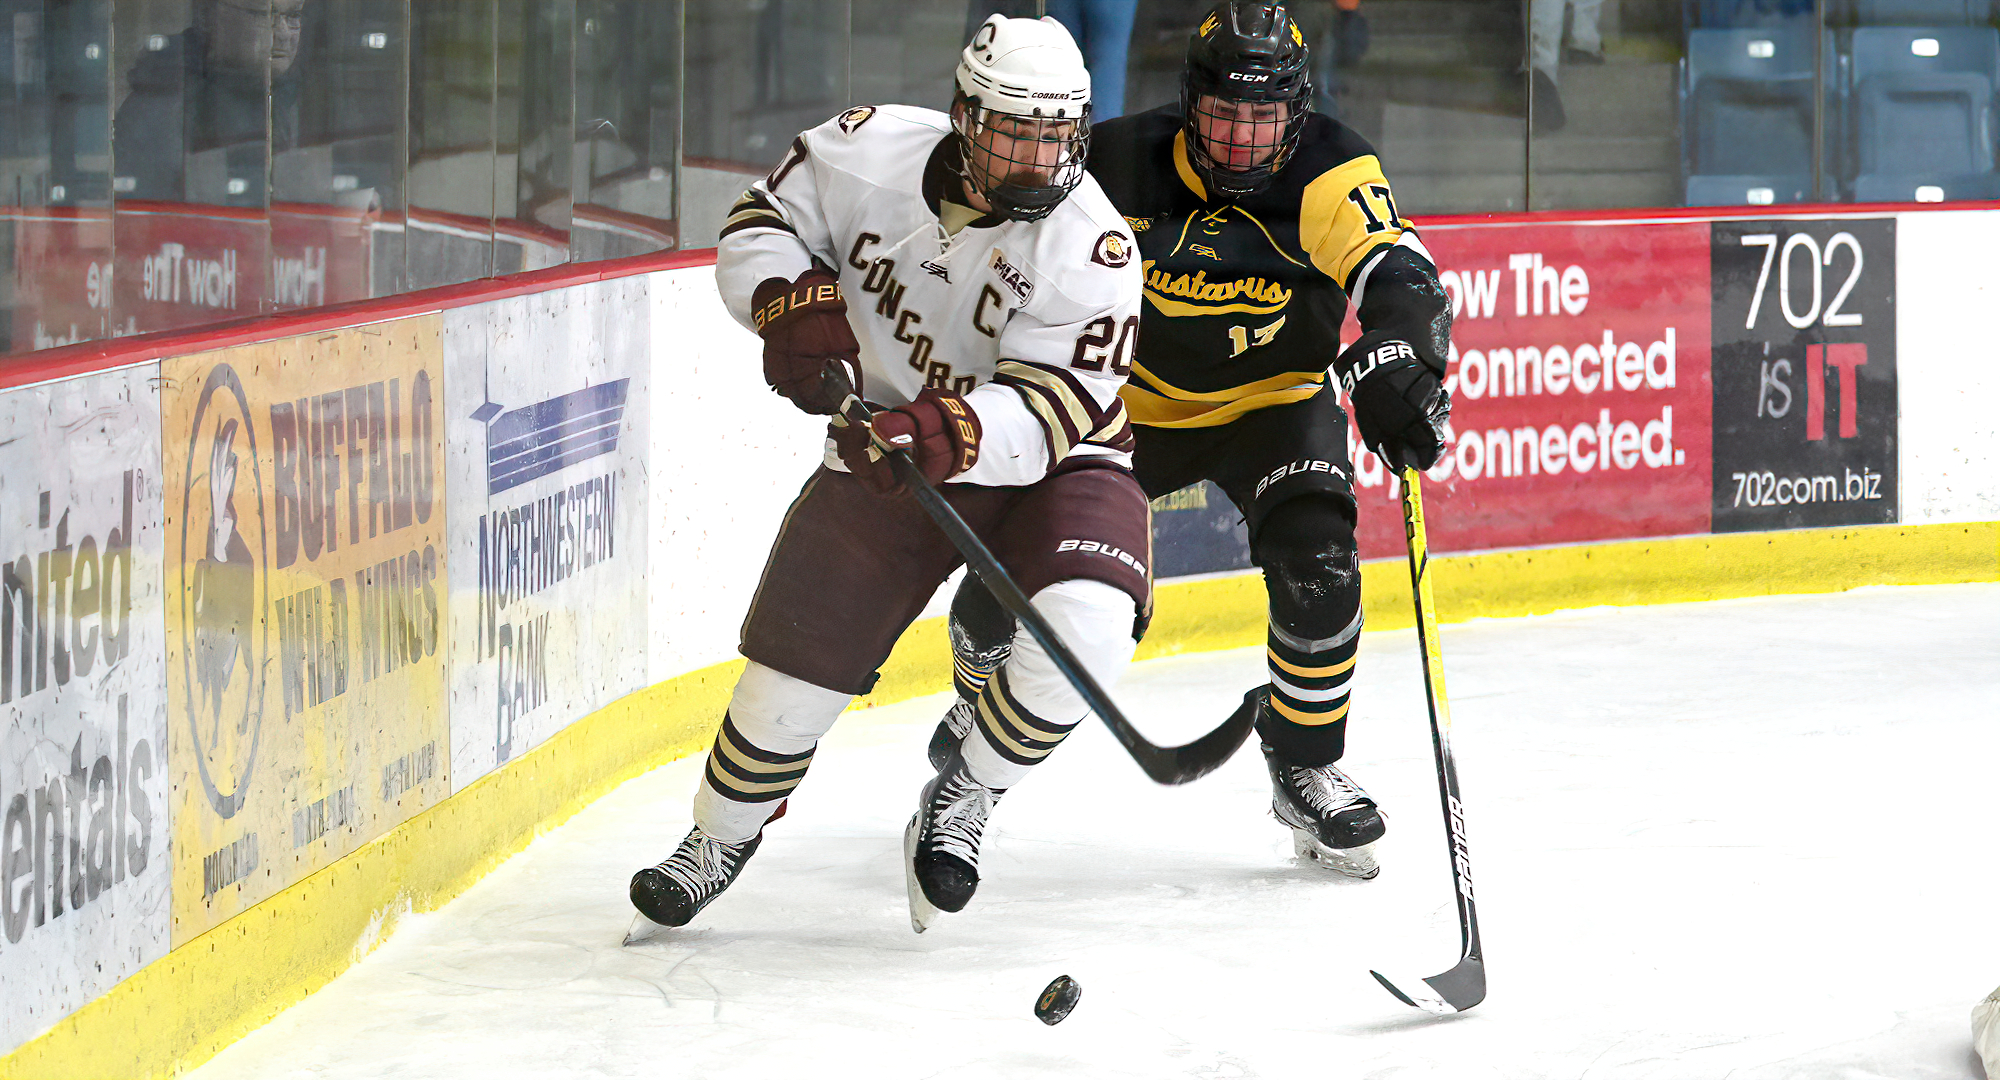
x=1751, y=839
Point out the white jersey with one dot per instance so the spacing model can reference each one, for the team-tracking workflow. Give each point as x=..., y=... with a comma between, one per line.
x=1033, y=321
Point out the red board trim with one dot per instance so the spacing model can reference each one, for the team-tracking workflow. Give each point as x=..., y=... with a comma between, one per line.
x=83, y=358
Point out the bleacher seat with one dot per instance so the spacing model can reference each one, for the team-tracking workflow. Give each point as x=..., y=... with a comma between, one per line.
x=1747, y=115
x=1921, y=112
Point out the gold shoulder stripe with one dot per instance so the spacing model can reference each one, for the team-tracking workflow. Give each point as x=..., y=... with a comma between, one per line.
x=1345, y=213
x=1185, y=169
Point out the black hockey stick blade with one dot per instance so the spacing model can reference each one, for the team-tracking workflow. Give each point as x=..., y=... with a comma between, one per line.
x=1453, y=991
x=1162, y=764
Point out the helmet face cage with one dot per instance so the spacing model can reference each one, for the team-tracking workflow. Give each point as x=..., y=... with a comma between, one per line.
x=1244, y=59
x=1023, y=165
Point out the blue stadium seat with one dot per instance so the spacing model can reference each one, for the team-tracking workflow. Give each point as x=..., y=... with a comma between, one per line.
x=1921, y=109
x=1747, y=115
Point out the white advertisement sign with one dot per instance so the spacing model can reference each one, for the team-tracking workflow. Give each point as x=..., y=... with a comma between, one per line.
x=548, y=398
x=731, y=457
x=84, y=872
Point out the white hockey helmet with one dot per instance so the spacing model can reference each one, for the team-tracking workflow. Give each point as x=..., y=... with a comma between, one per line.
x=1023, y=111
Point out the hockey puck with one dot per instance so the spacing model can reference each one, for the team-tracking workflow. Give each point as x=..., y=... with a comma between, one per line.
x=1057, y=1000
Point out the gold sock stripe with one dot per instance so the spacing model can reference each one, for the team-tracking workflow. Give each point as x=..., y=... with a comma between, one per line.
x=972, y=674
x=1305, y=672
x=1015, y=733
x=1309, y=719
x=731, y=787
x=742, y=770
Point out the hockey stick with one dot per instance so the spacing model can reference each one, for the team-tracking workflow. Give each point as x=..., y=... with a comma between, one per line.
x=1164, y=764
x=1465, y=984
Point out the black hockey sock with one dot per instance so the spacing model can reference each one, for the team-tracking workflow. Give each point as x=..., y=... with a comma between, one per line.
x=1306, y=547
x=982, y=637
x=1307, y=721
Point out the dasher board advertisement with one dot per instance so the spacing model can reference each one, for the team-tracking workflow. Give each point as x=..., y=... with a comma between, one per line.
x=1580, y=390
x=1197, y=530
x=305, y=573
x=547, y=409
x=1805, y=373
x=84, y=868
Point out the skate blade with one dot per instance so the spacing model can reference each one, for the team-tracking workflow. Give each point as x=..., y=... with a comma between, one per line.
x=642, y=931
x=1354, y=862
x=922, y=911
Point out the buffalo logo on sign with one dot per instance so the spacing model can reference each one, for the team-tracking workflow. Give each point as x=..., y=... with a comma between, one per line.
x=1804, y=329
x=223, y=589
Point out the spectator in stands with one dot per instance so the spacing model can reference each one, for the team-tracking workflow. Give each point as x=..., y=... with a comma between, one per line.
x=207, y=88
x=1545, y=34
x=1103, y=32
x=1342, y=43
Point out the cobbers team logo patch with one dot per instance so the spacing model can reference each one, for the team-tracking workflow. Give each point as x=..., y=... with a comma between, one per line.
x=1112, y=249
x=852, y=119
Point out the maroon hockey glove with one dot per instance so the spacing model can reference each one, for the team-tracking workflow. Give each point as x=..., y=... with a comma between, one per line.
x=939, y=429
x=1400, y=404
x=804, y=324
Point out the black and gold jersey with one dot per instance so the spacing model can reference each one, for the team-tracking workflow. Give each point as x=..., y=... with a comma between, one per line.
x=1244, y=298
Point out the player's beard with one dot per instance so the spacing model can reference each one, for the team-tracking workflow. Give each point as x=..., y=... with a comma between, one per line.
x=1030, y=178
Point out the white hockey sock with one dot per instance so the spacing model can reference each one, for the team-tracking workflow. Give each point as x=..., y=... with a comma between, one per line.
x=1028, y=708
x=762, y=752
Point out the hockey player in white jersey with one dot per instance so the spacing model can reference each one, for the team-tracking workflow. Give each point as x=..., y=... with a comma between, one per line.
x=964, y=273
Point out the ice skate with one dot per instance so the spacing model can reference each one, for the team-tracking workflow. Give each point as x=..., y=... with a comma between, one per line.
x=1334, y=823
x=941, y=843
x=671, y=893
x=951, y=731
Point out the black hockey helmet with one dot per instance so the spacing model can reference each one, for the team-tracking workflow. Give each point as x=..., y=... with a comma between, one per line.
x=1245, y=53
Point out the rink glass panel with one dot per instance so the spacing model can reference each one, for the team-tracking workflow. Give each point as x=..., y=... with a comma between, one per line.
x=177, y=163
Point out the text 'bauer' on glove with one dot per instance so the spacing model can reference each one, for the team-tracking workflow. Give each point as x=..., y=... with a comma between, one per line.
x=804, y=324
x=939, y=430
x=1399, y=401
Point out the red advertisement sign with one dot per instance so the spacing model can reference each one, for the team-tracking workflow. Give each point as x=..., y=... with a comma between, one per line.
x=88, y=274
x=1580, y=389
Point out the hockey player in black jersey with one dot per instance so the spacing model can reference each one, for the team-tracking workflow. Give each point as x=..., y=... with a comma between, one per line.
x=1258, y=222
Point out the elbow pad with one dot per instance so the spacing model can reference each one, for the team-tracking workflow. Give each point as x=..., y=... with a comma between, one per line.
x=1402, y=295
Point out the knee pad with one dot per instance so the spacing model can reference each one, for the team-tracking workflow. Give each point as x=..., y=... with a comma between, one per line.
x=1312, y=568
x=980, y=627
x=762, y=752
x=1029, y=708
x=782, y=714
x=1095, y=621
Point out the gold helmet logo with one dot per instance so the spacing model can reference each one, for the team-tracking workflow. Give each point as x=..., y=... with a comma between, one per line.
x=1208, y=26
x=1297, y=38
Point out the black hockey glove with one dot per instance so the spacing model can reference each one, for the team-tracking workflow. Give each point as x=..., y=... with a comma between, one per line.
x=1400, y=404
